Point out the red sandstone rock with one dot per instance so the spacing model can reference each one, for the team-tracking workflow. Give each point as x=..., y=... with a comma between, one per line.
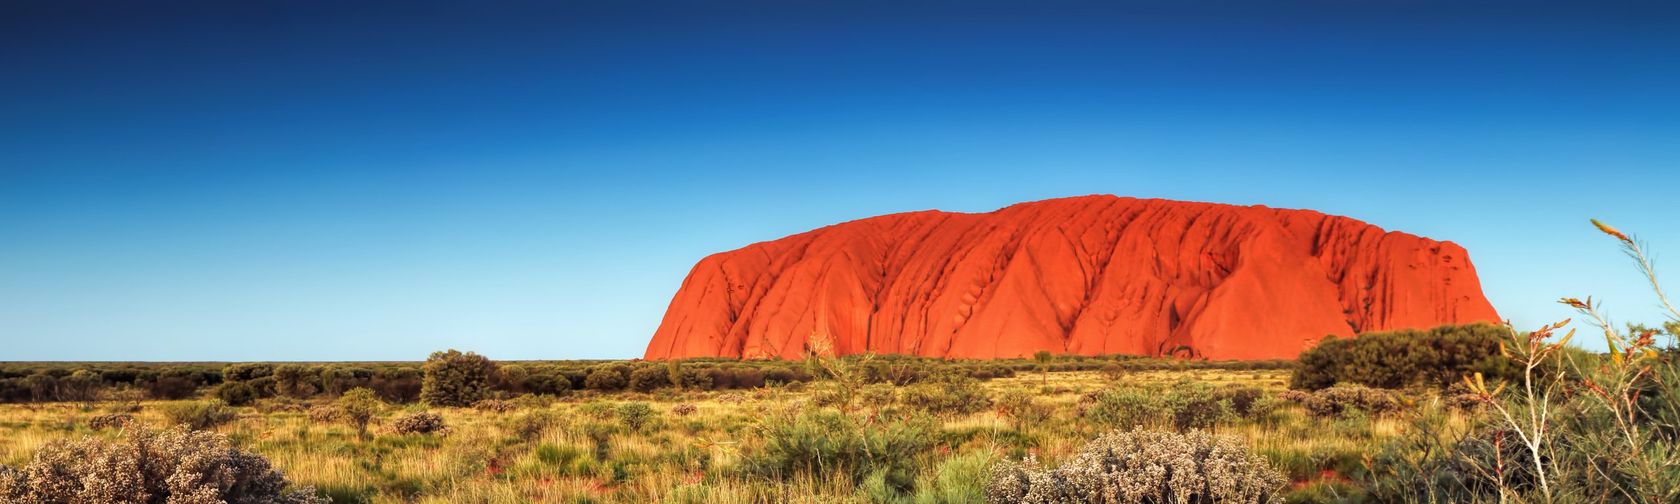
x=1088, y=275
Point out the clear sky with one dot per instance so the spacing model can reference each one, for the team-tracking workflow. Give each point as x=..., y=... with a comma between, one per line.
x=314, y=181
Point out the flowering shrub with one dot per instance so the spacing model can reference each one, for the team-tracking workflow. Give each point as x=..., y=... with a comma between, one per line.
x=1143, y=467
x=177, y=466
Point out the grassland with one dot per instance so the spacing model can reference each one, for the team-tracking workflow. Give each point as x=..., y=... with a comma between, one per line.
x=588, y=447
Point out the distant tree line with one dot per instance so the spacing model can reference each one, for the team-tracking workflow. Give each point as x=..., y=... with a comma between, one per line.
x=455, y=378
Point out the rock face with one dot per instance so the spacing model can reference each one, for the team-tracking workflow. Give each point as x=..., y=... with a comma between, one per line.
x=1087, y=275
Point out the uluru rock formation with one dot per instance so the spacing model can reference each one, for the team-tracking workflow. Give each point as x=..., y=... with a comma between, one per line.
x=1086, y=275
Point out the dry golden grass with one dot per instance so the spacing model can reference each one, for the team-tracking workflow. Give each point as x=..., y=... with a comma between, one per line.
x=679, y=458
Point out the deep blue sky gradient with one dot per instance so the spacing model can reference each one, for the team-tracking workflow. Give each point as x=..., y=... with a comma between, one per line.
x=317, y=181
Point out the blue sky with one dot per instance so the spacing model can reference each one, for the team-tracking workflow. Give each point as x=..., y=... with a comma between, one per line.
x=298, y=181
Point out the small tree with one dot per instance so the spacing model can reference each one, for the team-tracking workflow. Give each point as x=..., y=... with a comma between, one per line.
x=1043, y=358
x=453, y=378
x=358, y=407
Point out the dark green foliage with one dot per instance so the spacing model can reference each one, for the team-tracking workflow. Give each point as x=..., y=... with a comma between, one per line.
x=246, y=371
x=452, y=378
x=236, y=393
x=607, y=378
x=295, y=381
x=1246, y=402
x=649, y=378
x=1437, y=358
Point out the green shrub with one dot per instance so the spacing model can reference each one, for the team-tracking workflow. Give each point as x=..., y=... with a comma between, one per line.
x=358, y=407
x=830, y=444
x=635, y=415
x=1022, y=408
x=958, y=480
x=455, y=379
x=950, y=394
x=1195, y=406
x=1438, y=358
x=1246, y=402
x=649, y=378
x=607, y=379
x=236, y=393
x=199, y=415
x=1123, y=408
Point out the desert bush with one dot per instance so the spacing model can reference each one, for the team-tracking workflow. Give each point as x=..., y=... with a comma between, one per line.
x=176, y=466
x=397, y=385
x=1184, y=406
x=1143, y=467
x=452, y=378
x=649, y=378
x=419, y=422
x=1195, y=406
x=1246, y=402
x=598, y=410
x=636, y=416
x=827, y=443
x=236, y=393
x=199, y=415
x=358, y=407
x=246, y=371
x=697, y=379
x=110, y=421
x=949, y=394
x=322, y=414
x=960, y=479
x=531, y=425
x=1123, y=408
x=878, y=396
x=170, y=388
x=1436, y=358
x=607, y=379
x=80, y=386
x=1022, y=408
x=295, y=381
x=1343, y=399
x=497, y=406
